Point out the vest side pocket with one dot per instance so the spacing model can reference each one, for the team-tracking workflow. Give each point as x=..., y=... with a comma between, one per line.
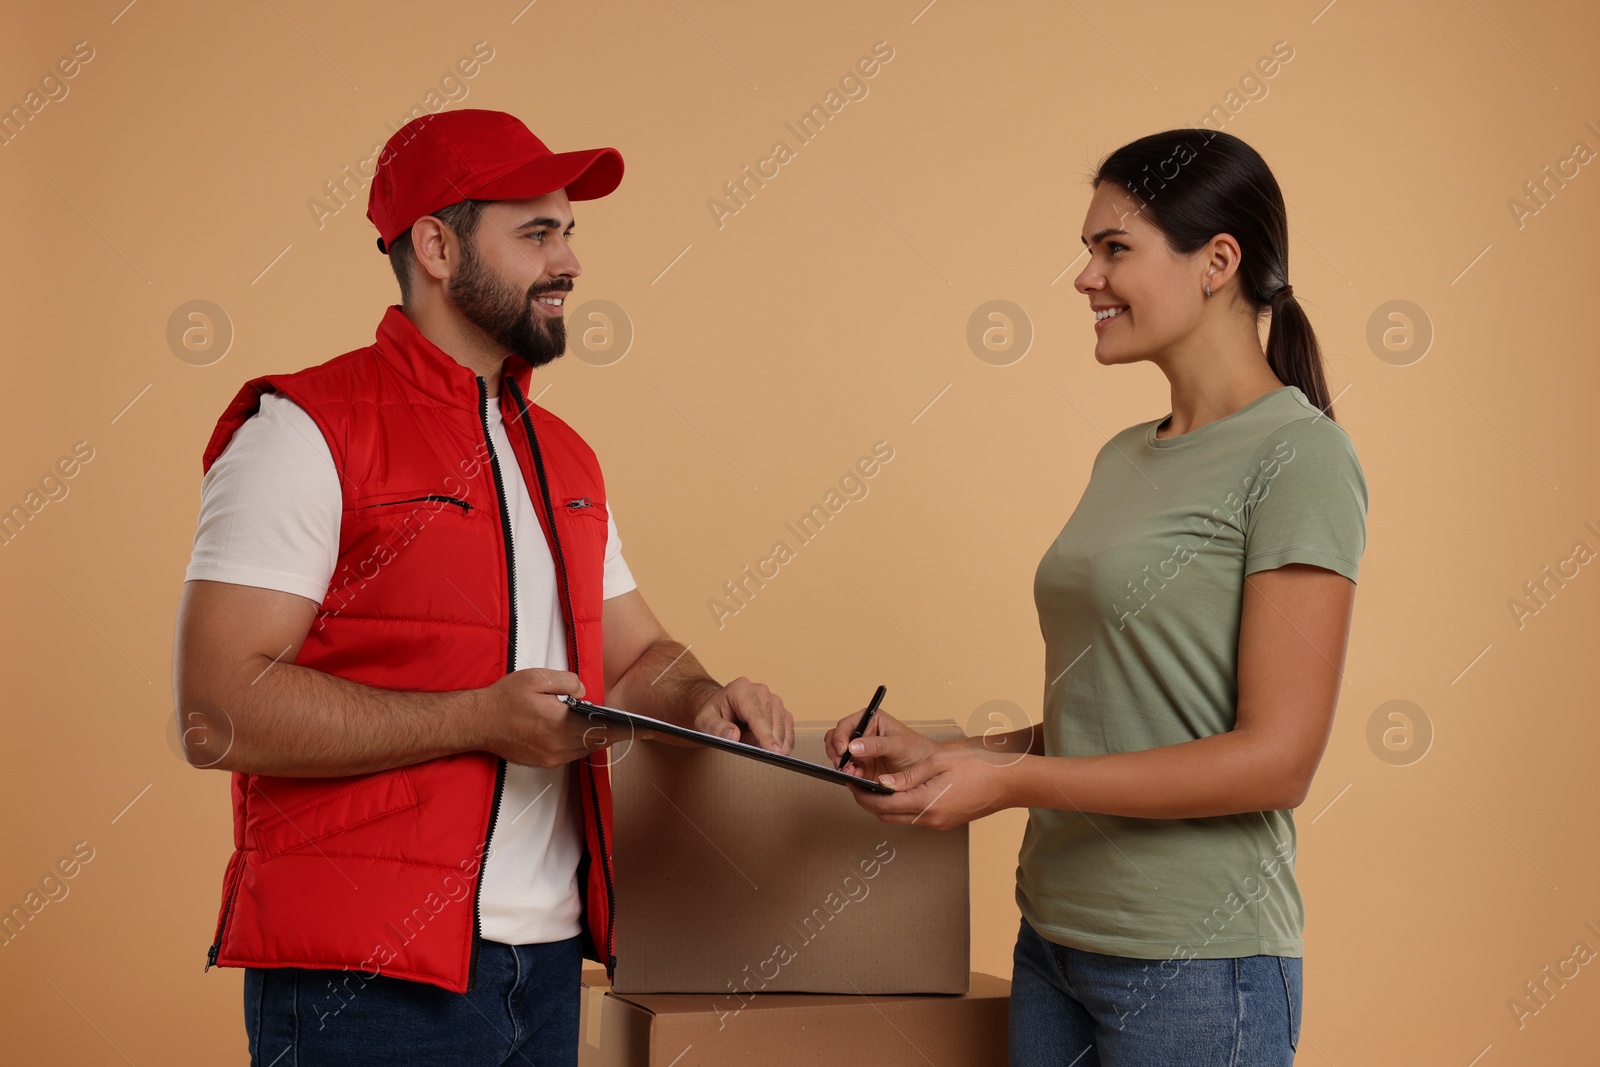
x=292, y=813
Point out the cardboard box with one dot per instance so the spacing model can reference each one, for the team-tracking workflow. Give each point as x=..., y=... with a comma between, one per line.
x=793, y=1029
x=735, y=877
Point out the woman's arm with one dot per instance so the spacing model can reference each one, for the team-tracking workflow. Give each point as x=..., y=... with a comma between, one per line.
x=1294, y=629
x=1027, y=741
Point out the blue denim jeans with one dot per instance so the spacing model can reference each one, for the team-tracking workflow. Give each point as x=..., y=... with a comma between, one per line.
x=1073, y=1008
x=523, y=1009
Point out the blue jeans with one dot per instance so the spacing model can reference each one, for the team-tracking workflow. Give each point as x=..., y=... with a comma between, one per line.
x=523, y=1009
x=1074, y=1008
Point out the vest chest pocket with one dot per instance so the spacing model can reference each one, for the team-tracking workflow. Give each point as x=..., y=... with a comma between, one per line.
x=420, y=501
x=583, y=524
x=395, y=538
x=584, y=521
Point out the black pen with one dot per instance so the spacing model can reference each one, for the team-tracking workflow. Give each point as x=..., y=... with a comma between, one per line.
x=861, y=727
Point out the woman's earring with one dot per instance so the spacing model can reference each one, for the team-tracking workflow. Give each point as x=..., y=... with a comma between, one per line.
x=1208, y=288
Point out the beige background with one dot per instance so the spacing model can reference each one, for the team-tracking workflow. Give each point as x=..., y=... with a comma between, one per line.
x=769, y=354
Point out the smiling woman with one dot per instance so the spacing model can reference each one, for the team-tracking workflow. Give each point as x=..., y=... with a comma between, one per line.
x=1179, y=730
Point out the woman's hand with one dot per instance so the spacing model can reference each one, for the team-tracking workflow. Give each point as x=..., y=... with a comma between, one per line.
x=941, y=784
x=949, y=787
x=909, y=746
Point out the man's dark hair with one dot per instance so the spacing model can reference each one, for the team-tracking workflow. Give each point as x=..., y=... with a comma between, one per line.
x=461, y=217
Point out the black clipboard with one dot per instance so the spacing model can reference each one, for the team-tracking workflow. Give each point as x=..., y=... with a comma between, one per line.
x=738, y=748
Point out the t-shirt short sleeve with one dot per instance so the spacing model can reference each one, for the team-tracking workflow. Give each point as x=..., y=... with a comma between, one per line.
x=618, y=578
x=1307, y=500
x=270, y=506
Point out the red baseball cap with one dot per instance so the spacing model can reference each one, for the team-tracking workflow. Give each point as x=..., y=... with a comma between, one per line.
x=472, y=154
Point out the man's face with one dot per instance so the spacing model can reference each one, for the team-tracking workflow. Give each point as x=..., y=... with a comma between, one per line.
x=516, y=272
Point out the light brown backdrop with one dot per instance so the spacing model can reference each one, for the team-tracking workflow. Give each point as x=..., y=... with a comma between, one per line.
x=770, y=352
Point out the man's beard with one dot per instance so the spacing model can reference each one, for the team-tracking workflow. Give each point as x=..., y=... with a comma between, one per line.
x=507, y=315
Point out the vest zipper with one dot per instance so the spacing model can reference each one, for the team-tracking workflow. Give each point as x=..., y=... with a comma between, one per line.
x=611, y=890
x=572, y=644
x=227, y=909
x=211, y=953
x=511, y=665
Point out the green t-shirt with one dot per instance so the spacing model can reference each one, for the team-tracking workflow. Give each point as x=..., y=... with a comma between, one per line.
x=1139, y=600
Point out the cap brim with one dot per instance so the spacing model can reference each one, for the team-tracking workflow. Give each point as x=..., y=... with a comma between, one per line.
x=586, y=175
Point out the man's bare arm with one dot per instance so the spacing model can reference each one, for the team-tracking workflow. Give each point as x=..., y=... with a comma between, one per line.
x=244, y=705
x=646, y=671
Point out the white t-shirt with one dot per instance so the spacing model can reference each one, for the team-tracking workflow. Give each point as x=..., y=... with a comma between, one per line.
x=269, y=517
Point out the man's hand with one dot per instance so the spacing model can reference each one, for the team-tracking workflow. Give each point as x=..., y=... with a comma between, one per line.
x=747, y=711
x=520, y=718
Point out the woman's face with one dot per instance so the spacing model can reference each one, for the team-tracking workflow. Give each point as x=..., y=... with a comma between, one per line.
x=1130, y=267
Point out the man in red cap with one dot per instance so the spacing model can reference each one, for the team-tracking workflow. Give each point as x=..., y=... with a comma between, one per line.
x=401, y=563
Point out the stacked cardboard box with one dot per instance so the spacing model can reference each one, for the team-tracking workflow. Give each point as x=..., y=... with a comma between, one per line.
x=737, y=877
x=762, y=916
x=793, y=1029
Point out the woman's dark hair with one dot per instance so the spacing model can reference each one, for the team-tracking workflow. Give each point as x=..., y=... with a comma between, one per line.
x=1196, y=183
x=462, y=217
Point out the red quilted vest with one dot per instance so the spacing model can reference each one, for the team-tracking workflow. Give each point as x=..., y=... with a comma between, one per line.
x=379, y=873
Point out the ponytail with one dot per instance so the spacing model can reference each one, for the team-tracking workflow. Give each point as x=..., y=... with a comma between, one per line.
x=1293, y=352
